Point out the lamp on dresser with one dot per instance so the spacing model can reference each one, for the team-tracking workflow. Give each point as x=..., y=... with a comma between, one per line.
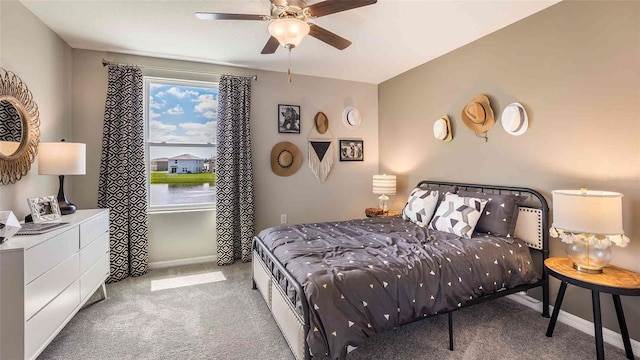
x=62, y=158
x=588, y=222
x=384, y=185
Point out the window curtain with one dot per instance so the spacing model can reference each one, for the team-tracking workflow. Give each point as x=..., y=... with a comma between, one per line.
x=122, y=184
x=235, y=213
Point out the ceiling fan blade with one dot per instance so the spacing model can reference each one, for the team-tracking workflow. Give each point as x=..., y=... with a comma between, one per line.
x=299, y=3
x=328, y=37
x=221, y=16
x=271, y=46
x=279, y=2
x=333, y=6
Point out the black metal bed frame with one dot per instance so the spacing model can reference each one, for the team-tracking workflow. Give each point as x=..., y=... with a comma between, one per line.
x=298, y=295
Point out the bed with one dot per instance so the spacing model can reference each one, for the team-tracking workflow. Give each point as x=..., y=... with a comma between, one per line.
x=331, y=286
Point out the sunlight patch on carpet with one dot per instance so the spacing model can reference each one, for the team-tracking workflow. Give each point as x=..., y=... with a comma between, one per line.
x=189, y=280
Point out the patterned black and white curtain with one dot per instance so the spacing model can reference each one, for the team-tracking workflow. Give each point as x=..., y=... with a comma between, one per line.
x=234, y=171
x=122, y=186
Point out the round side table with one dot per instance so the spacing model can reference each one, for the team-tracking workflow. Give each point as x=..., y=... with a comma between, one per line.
x=613, y=280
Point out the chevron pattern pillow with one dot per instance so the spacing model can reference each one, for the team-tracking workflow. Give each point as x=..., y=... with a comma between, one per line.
x=420, y=206
x=458, y=215
x=499, y=215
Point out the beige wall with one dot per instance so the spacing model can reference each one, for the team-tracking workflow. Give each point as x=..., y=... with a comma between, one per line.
x=576, y=68
x=43, y=62
x=300, y=196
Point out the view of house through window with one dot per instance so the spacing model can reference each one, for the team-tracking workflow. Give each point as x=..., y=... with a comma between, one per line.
x=181, y=142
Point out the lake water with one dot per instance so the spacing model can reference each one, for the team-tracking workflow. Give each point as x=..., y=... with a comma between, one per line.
x=180, y=194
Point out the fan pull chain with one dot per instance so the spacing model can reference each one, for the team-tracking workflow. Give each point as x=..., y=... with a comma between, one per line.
x=289, y=69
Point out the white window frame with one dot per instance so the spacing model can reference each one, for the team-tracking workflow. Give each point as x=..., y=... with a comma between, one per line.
x=147, y=144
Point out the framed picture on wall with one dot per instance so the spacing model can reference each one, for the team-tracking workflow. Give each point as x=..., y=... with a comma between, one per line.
x=288, y=119
x=351, y=150
x=44, y=209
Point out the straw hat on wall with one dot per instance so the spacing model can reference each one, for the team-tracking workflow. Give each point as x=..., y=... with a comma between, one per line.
x=285, y=158
x=478, y=115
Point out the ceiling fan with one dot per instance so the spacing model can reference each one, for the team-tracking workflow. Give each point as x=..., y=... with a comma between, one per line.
x=291, y=21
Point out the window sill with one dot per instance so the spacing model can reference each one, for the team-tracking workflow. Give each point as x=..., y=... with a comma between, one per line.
x=154, y=211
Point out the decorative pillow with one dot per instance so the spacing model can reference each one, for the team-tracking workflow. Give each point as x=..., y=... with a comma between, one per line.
x=458, y=215
x=499, y=215
x=420, y=206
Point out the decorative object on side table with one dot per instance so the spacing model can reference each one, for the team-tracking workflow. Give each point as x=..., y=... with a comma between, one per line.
x=588, y=222
x=351, y=150
x=9, y=225
x=62, y=158
x=289, y=119
x=384, y=185
x=44, y=209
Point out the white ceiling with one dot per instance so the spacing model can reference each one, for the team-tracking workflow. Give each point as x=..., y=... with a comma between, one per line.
x=389, y=37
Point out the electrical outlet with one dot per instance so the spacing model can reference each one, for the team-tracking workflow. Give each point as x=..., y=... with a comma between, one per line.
x=283, y=218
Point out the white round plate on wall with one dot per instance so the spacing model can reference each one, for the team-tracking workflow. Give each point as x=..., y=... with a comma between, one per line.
x=351, y=117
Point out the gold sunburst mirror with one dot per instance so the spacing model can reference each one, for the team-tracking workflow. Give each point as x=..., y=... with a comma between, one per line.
x=19, y=128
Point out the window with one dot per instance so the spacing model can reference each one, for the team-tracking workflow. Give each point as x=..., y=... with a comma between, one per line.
x=181, y=118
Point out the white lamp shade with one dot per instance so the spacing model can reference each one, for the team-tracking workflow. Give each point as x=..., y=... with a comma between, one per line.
x=384, y=184
x=62, y=158
x=289, y=31
x=588, y=212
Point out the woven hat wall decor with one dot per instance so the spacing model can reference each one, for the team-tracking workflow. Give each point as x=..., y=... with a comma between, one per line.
x=477, y=115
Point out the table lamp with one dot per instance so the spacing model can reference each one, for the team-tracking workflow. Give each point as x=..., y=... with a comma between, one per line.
x=588, y=222
x=62, y=158
x=384, y=185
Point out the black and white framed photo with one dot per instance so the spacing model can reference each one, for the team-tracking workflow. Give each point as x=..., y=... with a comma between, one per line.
x=351, y=150
x=44, y=209
x=289, y=119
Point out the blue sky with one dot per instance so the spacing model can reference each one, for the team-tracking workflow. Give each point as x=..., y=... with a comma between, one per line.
x=182, y=114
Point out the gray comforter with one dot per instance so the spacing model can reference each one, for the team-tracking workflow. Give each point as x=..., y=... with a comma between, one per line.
x=363, y=277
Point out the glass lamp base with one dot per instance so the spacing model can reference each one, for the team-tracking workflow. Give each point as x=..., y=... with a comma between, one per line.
x=588, y=259
x=383, y=203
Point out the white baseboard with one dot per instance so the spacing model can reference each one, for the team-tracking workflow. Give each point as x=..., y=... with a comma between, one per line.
x=586, y=326
x=180, y=262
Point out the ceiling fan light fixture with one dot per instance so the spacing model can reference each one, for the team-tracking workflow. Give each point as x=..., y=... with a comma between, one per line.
x=289, y=32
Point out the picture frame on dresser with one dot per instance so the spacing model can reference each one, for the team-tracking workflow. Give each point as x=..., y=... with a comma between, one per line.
x=44, y=209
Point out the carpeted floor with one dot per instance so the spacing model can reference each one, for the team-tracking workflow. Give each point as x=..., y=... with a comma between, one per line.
x=228, y=320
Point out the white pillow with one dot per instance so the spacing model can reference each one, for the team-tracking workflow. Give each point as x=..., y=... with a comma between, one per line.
x=420, y=206
x=458, y=215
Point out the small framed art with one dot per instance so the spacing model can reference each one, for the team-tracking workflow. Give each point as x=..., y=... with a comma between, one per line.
x=44, y=209
x=289, y=119
x=351, y=150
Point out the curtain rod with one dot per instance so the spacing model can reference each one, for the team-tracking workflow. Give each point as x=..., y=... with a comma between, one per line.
x=107, y=62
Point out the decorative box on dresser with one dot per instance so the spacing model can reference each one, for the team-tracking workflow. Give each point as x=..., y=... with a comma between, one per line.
x=45, y=279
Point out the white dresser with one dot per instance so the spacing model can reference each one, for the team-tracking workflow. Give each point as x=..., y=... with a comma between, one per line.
x=45, y=279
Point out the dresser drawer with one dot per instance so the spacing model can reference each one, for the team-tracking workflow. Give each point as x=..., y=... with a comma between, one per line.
x=93, y=228
x=50, y=320
x=46, y=287
x=43, y=257
x=94, y=276
x=94, y=251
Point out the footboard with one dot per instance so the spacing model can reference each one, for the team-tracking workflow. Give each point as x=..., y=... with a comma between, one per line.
x=282, y=292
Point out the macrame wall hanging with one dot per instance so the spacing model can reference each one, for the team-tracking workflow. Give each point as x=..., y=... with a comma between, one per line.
x=321, y=150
